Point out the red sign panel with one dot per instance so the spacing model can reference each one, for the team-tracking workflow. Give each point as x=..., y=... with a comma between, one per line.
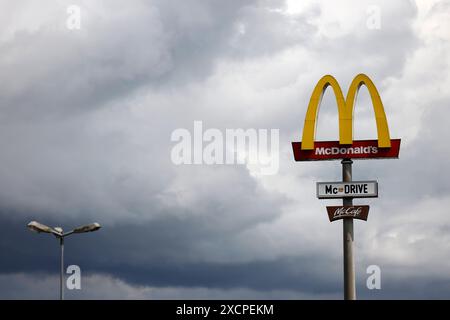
x=353, y=212
x=332, y=150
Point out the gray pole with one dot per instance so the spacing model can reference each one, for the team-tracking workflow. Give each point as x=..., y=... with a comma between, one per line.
x=349, y=264
x=61, y=276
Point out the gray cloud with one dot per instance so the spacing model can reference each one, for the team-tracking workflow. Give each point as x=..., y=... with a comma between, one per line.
x=86, y=118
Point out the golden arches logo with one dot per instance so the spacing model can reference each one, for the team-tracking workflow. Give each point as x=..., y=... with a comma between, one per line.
x=345, y=111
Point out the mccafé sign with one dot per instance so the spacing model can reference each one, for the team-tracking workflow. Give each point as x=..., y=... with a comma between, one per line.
x=309, y=149
x=353, y=212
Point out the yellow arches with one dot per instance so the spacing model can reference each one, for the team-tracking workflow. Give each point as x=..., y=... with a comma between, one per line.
x=345, y=111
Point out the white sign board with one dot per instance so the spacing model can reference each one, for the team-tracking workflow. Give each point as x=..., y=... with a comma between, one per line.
x=354, y=189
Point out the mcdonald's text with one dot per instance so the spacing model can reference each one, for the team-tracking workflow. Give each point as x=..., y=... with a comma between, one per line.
x=332, y=150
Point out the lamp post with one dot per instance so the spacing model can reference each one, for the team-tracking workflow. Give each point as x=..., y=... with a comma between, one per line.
x=59, y=234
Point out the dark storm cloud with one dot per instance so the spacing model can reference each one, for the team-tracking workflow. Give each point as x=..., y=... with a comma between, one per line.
x=149, y=255
x=54, y=71
x=86, y=121
x=160, y=253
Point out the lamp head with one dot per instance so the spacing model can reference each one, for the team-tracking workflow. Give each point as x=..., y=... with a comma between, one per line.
x=87, y=228
x=39, y=227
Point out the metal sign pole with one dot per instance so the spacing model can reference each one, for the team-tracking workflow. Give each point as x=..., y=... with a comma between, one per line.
x=349, y=264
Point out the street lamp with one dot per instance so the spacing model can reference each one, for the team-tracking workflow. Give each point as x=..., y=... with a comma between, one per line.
x=58, y=233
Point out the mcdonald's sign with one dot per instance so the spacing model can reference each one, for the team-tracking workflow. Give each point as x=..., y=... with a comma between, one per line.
x=309, y=149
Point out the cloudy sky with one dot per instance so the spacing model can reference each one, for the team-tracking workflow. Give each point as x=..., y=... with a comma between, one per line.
x=86, y=117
